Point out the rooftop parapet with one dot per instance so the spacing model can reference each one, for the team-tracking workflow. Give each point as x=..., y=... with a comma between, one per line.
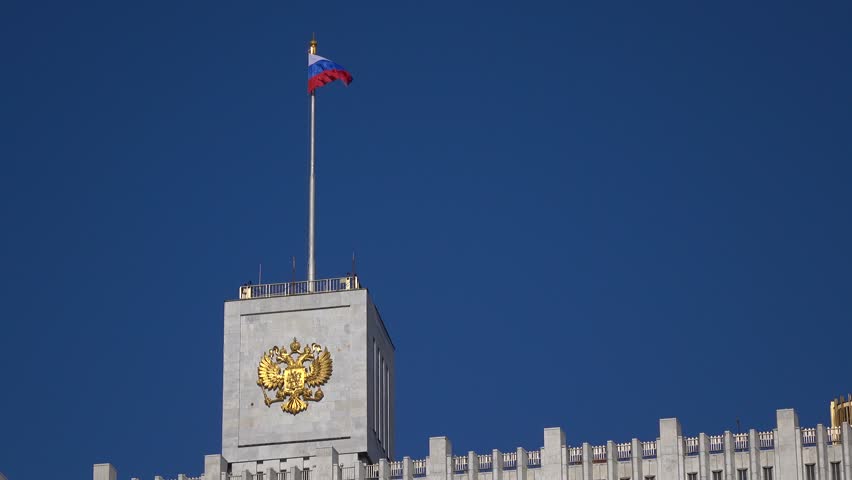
x=306, y=287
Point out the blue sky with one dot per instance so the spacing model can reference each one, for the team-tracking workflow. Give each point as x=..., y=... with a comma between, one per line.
x=589, y=215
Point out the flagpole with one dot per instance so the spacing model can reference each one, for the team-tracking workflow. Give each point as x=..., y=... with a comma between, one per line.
x=312, y=186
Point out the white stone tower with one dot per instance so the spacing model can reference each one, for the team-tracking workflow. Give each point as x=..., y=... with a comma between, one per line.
x=355, y=415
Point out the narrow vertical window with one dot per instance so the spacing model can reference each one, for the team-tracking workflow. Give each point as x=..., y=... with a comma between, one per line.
x=835, y=470
x=742, y=474
x=717, y=475
x=691, y=476
x=810, y=472
x=767, y=473
x=381, y=399
x=375, y=388
x=387, y=408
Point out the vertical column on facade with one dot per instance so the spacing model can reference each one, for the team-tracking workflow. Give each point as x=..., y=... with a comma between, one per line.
x=214, y=467
x=521, y=465
x=636, y=459
x=270, y=474
x=326, y=461
x=294, y=474
x=472, y=466
x=437, y=464
x=181, y=476
x=587, y=461
x=703, y=457
x=846, y=449
x=787, y=445
x=551, y=454
x=407, y=468
x=753, y=455
x=611, y=461
x=104, y=471
x=822, y=454
x=360, y=471
x=730, y=471
x=384, y=469
x=496, y=464
x=669, y=449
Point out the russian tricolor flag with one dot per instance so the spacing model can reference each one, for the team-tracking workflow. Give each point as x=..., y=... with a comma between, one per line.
x=322, y=71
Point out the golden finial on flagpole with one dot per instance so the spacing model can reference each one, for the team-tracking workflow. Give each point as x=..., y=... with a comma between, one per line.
x=313, y=49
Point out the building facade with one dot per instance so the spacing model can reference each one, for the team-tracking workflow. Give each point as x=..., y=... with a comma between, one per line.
x=308, y=375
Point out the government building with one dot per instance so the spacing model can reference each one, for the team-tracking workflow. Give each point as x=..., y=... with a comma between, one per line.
x=308, y=394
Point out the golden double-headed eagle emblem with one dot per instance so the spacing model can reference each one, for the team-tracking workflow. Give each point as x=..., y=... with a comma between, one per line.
x=293, y=386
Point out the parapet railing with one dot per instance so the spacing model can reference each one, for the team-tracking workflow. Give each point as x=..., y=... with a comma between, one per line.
x=690, y=445
x=510, y=460
x=833, y=434
x=395, y=469
x=740, y=442
x=486, y=462
x=649, y=449
x=808, y=437
x=717, y=443
x=623, y=451
x=460, y=464
x=420, y=467
x=573, y=455
x=534, y=458
x=766, y=440
x=599, y=454
x=305, y=287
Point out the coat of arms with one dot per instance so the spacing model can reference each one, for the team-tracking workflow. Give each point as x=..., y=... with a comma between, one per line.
x=294, y=385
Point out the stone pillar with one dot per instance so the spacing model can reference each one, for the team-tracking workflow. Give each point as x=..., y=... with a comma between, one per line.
x=846, y=449
x=587, y=461
x=611, y=461
x=440, y=449
x=360, y=470
x=668, y=450
x=822, y=456
x=326, y=459
x=157, y=477
x=384, y=469
x=214, y=467
x=521, y=466
x=730, y=471
x=472, y=466
x=104, y=471
x=269, y=474
x=181, y=476
x=295, y=473
x=551, y=454
x=787, y=448
x=496, y=464
x=753, y=455
x=703, y=457
x=636, y=459
x=407, y=468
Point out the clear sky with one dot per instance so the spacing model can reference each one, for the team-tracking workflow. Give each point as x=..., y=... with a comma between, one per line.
x=578, y=214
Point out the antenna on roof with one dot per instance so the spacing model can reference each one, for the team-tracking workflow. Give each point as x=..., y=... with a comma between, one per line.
x=294, y=268
x=353, y=263
x=259, y=273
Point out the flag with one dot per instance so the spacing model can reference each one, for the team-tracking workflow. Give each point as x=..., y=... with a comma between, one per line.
x=322, y=71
